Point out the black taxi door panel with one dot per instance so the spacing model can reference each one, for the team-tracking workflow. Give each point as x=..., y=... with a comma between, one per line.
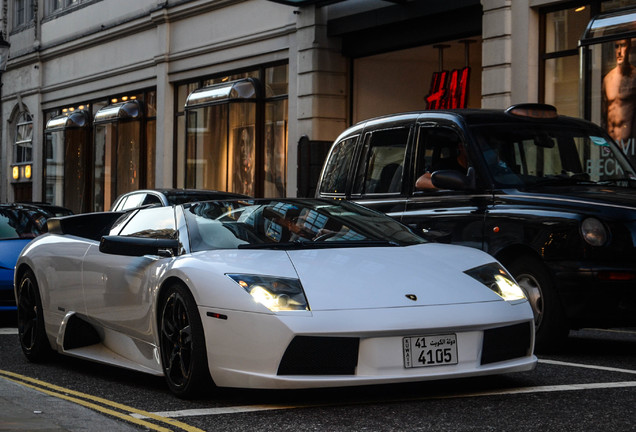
x=445, y=215
x=393, y=207
x=448, y=217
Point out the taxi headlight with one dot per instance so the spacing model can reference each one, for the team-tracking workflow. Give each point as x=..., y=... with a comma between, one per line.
x=495, y=277
x=275, y=293
x=594, y=232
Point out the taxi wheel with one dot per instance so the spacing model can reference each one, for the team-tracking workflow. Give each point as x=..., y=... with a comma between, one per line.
x=182, y=343
x=549, y=319
x=33, y=340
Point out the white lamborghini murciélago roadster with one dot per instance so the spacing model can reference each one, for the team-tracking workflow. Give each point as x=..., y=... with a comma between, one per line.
x=276, y=293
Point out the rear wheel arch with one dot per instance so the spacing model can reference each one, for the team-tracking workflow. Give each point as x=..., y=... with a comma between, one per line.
x=30, y=317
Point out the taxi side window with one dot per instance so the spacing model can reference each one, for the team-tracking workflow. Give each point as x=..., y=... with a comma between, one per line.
x=438, y=148
x=334, y=177
x=382, y=163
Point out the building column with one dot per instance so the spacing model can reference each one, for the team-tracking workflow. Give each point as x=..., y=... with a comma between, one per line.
x=164, y=160
x=320, y=85
x=496, y=76
x=509, y=58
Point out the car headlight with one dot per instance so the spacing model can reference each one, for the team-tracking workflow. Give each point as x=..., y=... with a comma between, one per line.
x=594, y=232
x=275, y=293
x=495, y=277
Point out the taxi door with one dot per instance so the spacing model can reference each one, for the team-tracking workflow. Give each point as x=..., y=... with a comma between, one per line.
x=444, y=215
x=382, y=169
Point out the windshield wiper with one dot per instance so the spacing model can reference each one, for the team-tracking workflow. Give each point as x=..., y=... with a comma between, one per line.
x=299, y=244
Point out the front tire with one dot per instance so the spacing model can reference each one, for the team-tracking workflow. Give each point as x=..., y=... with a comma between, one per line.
x=551, y=327
x=182, y=343
x=31, y=332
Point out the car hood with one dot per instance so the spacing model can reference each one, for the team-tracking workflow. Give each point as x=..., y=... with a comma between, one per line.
x=585, y=196
x=363, y=278
x=10, y=251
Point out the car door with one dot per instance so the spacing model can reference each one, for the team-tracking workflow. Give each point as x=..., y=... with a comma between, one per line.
x=118, y=290
x=445, y=215
x=381, y=173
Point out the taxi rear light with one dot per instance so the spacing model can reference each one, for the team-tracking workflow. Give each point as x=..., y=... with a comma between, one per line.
x=616, y=276
x=537, y=111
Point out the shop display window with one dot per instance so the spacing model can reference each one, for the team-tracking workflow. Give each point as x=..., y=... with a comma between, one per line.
x=608, y=54
x=235, y=129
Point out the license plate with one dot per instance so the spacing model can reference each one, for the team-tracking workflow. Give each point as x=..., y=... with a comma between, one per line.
x=435, y=350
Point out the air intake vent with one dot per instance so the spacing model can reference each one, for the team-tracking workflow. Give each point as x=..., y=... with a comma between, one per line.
x=313, y=355
x=505, y=343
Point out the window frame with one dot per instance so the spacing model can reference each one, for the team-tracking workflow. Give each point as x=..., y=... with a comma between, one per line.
x=23, y=13
x=23, y=143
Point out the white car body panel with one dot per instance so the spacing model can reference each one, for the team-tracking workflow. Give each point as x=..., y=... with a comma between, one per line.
x=358, y=292
x=391, y=274
x=248, y=346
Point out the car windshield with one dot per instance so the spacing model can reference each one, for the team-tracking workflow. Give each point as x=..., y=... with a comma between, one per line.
x=18, y=223
x=291, y=224
x=543, y=155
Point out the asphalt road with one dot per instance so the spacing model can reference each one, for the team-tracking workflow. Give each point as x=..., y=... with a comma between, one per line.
x=590, y=385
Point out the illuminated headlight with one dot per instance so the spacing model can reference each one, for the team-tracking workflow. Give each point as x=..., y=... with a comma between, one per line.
x=275, y=293
x=594, y=232
x=495, y=277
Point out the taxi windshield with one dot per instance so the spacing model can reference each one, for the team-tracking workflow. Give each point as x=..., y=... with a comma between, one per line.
x=290, y=224
x=517, y=155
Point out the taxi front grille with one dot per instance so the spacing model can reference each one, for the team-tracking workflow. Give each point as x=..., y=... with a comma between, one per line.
x=506, y=343
x=316, y=355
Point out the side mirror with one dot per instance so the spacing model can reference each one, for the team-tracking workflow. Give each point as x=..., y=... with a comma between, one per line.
x=454, y=180
x=138, y=246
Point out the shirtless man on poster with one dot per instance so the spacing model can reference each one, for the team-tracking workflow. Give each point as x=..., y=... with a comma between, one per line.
x=619, y=95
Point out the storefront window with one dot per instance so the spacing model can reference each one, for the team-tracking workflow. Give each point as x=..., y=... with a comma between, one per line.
x=117, y=152
x=275, y=148
x=67, y=144
x=609, y=54
x=561, y=58
x=242, y=161
x=418, y=78
x=560, y=61
x=207, y=148
x=235, y=133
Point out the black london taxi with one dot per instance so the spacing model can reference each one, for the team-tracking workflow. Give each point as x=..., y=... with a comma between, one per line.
x=551, y=197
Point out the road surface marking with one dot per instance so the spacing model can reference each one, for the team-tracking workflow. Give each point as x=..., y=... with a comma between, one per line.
x=512, y=391
x=586, y=366
x=93, y=401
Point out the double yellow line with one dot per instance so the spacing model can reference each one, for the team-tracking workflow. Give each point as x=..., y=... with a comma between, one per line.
x=101, y=405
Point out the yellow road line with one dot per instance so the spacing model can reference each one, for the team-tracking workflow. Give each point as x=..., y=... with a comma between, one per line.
x=63, y=393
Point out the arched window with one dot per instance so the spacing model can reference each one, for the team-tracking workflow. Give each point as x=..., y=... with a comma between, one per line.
x=23, y=146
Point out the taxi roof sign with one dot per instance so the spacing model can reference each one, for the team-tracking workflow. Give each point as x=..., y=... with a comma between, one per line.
x=533, y=110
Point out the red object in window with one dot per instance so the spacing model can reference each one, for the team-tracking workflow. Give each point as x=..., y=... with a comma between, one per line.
x=449, y=93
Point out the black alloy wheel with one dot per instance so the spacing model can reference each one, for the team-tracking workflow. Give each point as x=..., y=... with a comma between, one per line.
x=182, y=343
x=31, y=332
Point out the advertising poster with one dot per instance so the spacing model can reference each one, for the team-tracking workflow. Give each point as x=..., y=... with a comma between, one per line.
x=619, y=94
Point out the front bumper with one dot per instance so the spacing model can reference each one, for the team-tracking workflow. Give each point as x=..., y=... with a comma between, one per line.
x=252, y=350
x=596, y=295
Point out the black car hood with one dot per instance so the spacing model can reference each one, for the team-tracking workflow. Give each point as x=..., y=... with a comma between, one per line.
x=590, y=197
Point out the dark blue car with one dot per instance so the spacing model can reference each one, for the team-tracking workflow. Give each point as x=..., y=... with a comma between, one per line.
x=19, y=224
